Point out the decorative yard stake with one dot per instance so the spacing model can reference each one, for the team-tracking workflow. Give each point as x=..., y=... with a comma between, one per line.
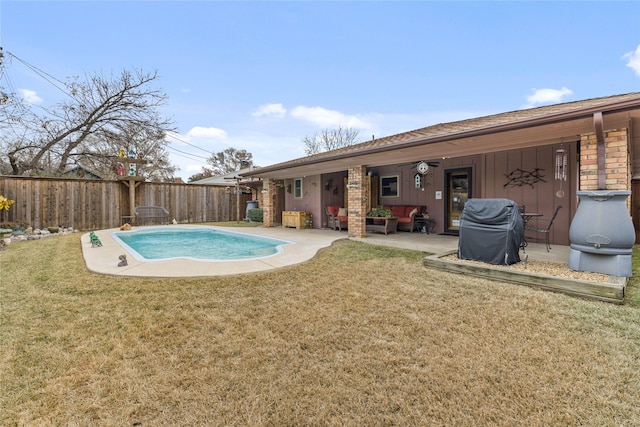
x=123, y=261
x=95, y=241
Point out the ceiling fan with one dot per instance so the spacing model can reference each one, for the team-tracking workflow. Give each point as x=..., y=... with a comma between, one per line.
x=423, y=166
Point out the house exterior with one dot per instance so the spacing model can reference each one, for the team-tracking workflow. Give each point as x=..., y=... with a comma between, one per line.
x=537, y=157
x=80, y=172
x=231, y=179
x=234, y=182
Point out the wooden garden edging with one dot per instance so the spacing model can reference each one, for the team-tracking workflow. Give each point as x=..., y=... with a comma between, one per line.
x=609, y=292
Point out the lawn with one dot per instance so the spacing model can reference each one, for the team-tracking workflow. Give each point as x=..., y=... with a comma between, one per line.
x=360, y=335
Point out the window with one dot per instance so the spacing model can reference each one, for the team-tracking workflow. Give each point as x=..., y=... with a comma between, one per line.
x=389, y=186
x=297, y=188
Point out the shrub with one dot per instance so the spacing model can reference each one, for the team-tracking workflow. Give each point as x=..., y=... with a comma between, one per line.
x=255, y=215
x=380, y=212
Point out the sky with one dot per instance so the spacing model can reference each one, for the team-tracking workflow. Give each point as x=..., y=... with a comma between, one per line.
x=261, y=75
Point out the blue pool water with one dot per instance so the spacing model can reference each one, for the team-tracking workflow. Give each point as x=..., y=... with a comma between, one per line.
x=211, y=244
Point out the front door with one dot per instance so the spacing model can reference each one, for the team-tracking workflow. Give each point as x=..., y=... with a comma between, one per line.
x=458, y=190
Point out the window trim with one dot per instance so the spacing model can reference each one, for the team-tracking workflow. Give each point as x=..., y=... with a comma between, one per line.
x=297, y=190
x=382, y=187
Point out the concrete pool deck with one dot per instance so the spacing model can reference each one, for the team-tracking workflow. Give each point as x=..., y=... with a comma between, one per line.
x=306, y=244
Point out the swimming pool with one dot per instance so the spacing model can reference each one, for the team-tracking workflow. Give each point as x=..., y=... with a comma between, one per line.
x=200, y=243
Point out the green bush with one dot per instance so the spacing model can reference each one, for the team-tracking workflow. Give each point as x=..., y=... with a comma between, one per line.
x=255, y=215
x=380, y=212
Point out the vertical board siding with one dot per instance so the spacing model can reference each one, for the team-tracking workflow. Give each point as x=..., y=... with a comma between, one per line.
x=93, y=204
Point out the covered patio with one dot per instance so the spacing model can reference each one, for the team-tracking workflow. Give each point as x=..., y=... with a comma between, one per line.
x=540, y=158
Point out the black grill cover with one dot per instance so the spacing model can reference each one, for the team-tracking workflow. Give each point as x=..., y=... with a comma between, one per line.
x=490, y=231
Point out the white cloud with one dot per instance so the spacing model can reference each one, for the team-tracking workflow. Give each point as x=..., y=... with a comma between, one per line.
x=634, y=60
x=30, y=96
x=270, y=110
x=328, y=118
x=280, y=141
x=546, y=96
x=210, y=132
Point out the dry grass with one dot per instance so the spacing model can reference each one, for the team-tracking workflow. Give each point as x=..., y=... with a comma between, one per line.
x=361, y=335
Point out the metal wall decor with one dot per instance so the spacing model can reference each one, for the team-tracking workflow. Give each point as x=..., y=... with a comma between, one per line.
x=520, y=178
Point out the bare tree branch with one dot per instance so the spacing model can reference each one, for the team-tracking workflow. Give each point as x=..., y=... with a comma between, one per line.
x=77, y=129
x=229, y=160
x=330, y=139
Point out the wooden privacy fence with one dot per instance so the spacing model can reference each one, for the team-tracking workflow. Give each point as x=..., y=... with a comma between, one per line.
x=95, y=204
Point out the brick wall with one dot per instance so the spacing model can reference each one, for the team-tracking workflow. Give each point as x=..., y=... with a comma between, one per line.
x=357, y=201
x=617, y=164
x=268, y=208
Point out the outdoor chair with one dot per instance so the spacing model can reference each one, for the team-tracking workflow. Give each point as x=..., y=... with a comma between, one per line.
x=546, y=231
x=337, y=217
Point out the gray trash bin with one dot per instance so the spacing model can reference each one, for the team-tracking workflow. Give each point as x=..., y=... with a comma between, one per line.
x=491, y=231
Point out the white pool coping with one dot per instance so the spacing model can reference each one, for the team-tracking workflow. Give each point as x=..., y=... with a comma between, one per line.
x=306, y=244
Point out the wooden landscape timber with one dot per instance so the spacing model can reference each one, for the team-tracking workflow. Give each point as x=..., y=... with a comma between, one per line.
x=610, y=292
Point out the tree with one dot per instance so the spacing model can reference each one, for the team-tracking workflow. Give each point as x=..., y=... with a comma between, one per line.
x=146, y=143
x=101, y=116
x=204, y=173
x=223, y=162
x=330, y=139
x=230, y=160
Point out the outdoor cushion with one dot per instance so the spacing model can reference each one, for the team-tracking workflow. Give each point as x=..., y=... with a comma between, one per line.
x=335, y=219
x=397, y=211
x=405, y=214
x=403, y=211
x=333, y=210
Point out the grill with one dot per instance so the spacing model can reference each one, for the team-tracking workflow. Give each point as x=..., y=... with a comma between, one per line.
x=491, y=231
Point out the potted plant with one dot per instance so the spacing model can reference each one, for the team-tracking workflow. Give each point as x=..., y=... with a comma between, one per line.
x=379, y=212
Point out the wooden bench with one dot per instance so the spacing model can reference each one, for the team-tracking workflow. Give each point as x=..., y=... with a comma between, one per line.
x=151, y=214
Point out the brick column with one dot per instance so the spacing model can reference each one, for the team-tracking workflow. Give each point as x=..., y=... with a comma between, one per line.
x=357, y=197
x=268, y=211
x=617, y=163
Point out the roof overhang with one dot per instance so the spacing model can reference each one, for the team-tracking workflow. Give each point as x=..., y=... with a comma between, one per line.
x=532, y=132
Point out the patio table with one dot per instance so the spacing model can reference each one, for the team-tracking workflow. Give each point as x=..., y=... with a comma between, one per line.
x=381, y=224
x=528, y=215
x=525, y=219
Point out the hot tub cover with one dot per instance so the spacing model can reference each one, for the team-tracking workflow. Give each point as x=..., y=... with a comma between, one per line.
x=491, y=231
